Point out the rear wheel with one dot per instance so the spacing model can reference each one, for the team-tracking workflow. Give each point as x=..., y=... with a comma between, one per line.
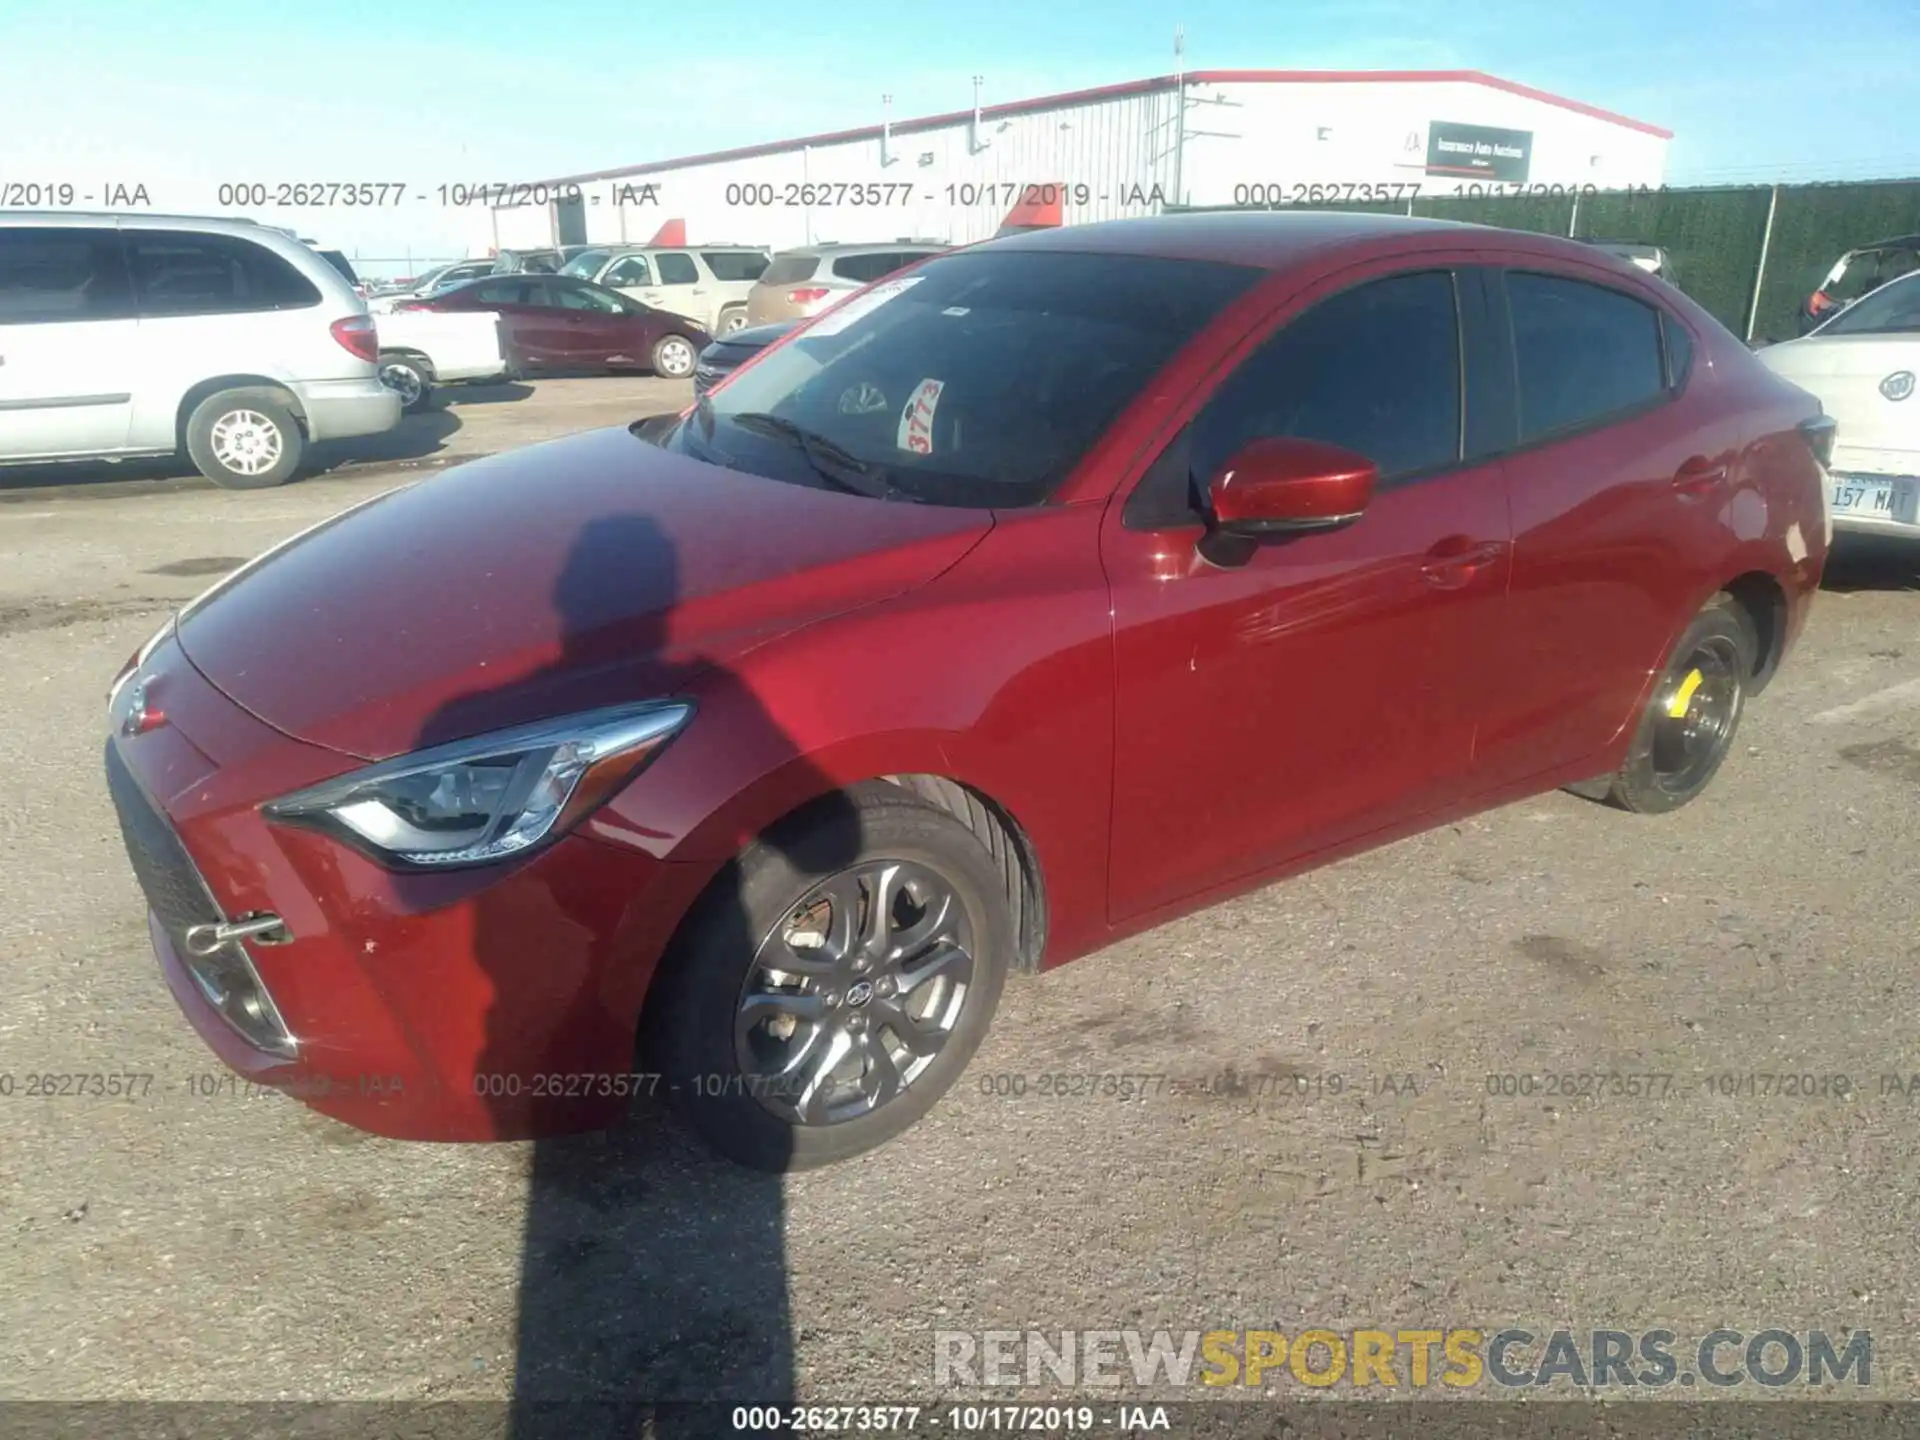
x=834, y=983
x=409, y=377
x=245, y=439
x=1688, y=726
x=732, y=320
x=673, y=357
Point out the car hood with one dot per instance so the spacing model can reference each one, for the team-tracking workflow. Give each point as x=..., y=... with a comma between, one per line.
x=588, y=571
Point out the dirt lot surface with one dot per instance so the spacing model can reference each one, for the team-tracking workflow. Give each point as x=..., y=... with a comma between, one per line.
x=1324, y=1137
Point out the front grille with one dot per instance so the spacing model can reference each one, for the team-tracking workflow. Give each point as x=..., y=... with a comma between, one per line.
x=179, y=899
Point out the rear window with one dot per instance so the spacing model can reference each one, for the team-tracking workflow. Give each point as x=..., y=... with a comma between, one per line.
x=180, y=273
x=50, y=275
x=585, y=264
x=735, y=265
x=1893, y=309
x=790, y=269
x=1584, y=352
x=866, y=268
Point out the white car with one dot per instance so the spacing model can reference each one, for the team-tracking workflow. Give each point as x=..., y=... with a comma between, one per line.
x=421, y=349
x=456, y=272
x=134, y=334
x=1862, y=364
x=708, y=285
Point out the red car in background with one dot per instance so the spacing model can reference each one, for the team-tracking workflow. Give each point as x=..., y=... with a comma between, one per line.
x=1031, y=597
x=553, y=321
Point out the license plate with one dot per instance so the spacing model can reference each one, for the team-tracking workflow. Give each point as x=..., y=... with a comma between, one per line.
x=1884, y=497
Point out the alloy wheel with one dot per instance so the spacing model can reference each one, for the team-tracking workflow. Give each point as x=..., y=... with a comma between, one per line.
x=854, y=993
x=246, y=442
x=676, y=358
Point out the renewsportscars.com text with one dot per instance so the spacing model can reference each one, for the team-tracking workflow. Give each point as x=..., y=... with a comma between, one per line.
x=1459, y=1358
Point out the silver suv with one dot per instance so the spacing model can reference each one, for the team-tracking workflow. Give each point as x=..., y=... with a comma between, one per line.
x=125, y=335
x=803, y=282
x=706, y=284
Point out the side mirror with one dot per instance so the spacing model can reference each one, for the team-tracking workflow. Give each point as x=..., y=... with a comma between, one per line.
x=1284, y=486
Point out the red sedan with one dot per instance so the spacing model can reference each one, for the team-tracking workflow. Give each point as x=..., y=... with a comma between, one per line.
x=556, y=320
x=1032, y=597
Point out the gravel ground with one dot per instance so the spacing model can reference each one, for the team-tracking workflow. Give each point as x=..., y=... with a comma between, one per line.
x=1317, y=1146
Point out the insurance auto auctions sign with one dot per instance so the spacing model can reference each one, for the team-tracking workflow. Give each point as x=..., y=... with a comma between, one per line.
x=1478, y=151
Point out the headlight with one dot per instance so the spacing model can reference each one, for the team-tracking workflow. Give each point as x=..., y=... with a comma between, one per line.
x=485, y=799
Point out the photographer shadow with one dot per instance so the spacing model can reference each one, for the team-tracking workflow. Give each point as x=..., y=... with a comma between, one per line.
x=653, y=1292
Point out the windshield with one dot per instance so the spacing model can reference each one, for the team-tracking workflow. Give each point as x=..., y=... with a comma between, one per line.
x=979, y=379
x=1892, y=309
x=586, y=264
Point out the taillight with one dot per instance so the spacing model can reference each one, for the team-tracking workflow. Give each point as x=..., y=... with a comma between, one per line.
x=1818, y=433
x=413, y=305
x=357, y=336
x=806, y=297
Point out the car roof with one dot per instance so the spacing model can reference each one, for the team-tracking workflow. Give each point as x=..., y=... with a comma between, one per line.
x=1270, y=240
x=223, y=224
x=832, y=247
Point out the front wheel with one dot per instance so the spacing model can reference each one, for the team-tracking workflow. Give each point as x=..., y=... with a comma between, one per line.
x=245, y=439
x=673, y=357
x=1688, y=726
x=834, y=983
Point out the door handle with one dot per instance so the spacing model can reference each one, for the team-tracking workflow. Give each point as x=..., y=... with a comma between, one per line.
x=1698, y=477
x=1456, y=560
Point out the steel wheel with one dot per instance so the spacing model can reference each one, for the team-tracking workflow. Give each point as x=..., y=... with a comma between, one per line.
x=246, y=442
x=854, y=993
x=1697, y=711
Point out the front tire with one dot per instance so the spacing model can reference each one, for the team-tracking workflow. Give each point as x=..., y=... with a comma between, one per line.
x=245, y=439
x=1688, y=726
x=834, y=982
x=673, y=357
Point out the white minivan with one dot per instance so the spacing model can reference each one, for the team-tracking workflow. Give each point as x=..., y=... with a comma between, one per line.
x=132, y=334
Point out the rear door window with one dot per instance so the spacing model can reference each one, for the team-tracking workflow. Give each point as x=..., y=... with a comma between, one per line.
x=49, y=275
x=177, y=272
x=1583, y=353
x=503, y=292
x=676, y=268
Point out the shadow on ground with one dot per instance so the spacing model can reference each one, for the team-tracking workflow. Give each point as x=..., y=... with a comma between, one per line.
x=1872, y=562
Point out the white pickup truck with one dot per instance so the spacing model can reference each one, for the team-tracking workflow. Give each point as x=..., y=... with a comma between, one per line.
x=420, y=349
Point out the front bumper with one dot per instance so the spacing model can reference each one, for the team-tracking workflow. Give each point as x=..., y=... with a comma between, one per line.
x=497, y=1003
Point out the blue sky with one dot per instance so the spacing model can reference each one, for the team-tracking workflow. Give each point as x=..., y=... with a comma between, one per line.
x=183, y=95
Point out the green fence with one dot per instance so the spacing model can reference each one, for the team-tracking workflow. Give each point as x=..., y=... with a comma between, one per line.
x=1715, y=236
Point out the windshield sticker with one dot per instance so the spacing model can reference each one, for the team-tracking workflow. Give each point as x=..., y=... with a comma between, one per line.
x=916, y=421
x=861, y=306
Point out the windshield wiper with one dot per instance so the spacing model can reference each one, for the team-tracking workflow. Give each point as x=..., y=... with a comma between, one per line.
x=829, y=461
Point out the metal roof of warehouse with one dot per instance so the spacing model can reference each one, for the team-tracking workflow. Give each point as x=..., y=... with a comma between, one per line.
x=1119, y=92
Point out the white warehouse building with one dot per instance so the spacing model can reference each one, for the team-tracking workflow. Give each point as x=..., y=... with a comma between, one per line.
x=1209, y=137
